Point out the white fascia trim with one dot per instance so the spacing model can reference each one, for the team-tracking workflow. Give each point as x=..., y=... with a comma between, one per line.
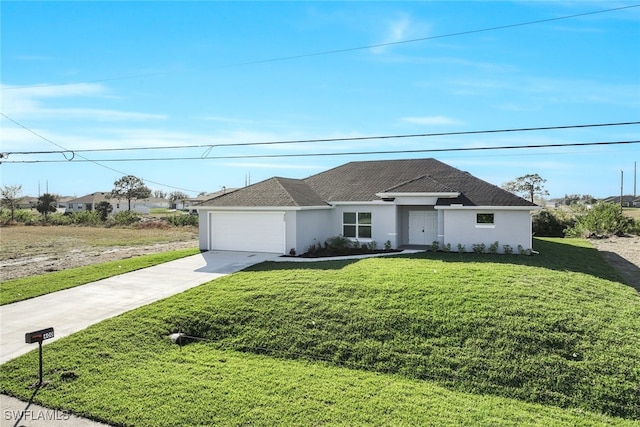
x=372, y=202
x=449, y=195
x=260, y=208
x=489, y=208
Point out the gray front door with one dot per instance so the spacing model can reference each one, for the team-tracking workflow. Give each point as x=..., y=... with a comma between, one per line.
x=423, y=227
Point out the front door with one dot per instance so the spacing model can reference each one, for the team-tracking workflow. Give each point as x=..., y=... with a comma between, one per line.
x=423, y=227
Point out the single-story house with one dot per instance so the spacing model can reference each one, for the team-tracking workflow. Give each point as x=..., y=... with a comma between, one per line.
x=627, y=201
x=393, y=202
x=188, y=203
x=88, y=203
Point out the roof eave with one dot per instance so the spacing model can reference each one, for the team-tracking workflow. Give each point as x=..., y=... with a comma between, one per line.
x=488, y=207
x=440, y=195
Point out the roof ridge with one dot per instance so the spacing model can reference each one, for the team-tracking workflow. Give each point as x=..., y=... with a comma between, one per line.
x=279, y=179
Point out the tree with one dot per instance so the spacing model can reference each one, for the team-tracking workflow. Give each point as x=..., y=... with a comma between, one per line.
x=104, y=208
x=130, y=188
x=159, y=194
x=10, y=198
x=530, y=185
x=176, y=196
x=570, y=199
x=46, y=204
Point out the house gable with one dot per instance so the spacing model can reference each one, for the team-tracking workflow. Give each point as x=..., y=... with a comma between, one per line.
x=273, y=192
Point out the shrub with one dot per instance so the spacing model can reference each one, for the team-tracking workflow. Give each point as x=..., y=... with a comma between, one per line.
x=338, y=244
x=552, y=223
x=461, y=248
x=85, y=218
x=479, y=248
x=435, y=246
x=493, y=248
x=523, y=251
x=507, y=250
x=24, y=216
x=447, y=247
x=602, y=218
x=387, y=245
x=58, y=219
x=124, y=218
x=182, y=220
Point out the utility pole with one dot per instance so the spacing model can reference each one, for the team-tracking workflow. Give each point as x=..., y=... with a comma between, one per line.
x=621, y=187
x=635, y=178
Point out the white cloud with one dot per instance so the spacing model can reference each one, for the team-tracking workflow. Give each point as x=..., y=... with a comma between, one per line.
x=34, y=102
x=431, y=120
x=399, y=29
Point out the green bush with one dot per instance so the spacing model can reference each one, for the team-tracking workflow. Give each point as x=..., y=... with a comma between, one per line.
x=552, y=223
x=602, y=218
x=124, y=218
x=85, y=218
x=182, y=220
x=58, y=218
x=24, y=216
x=479, y=248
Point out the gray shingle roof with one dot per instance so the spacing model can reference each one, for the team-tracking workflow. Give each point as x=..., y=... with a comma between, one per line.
x=361, y=181
x=275, y=191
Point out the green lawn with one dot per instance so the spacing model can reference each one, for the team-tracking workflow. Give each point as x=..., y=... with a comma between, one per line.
x=429, y=339
x=34, y=286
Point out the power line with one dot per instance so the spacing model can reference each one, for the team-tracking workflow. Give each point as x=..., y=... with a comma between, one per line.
x=460, y=33
x=353, y=153
x=84, y=159
x=307, y=141
x=351, y=49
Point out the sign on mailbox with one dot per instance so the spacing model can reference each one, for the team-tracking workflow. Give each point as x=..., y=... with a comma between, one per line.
x=38, y=336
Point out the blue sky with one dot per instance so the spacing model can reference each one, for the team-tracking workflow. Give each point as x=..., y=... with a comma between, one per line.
x=99, y=75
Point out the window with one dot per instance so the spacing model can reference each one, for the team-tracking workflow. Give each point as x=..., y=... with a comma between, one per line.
x=356, y=225
x=484, y=218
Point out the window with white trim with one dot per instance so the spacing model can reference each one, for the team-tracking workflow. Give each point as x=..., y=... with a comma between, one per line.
x=485, y=219
x=356, y=225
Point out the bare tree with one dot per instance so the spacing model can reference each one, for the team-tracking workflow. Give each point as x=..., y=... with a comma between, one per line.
x=10, y=198
x=529, y=185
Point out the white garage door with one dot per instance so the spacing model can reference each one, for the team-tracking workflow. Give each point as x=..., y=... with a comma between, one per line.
x=247, y=231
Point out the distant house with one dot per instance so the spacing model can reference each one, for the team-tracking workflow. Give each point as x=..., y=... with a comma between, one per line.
x=194, y=201
x=89, y=202
x=86, y=203
x=626, y=201
x=394, y=202
x=27, y=202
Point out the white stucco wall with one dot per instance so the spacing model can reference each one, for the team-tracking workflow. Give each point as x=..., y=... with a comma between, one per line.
x=383, y=222
x=511, y=227
x=308, y=228
x=203, y=230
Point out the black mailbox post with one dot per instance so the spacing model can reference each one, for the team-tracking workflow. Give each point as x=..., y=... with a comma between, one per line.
x=39, y=336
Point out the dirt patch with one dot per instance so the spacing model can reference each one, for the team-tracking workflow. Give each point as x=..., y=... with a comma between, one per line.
x=623, y=253
x=32, y=250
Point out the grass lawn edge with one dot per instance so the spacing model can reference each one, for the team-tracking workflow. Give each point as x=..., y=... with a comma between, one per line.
x=26, y=288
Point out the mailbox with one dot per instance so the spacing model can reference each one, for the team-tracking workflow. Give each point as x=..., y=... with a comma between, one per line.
x=38, y=336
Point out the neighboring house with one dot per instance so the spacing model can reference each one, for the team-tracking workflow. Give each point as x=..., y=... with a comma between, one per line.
x=27, y=202
x=626, y=202
x=187, y=204
x=88, y=203
x=403, y=202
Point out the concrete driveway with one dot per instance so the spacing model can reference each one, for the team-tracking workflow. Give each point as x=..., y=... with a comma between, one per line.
x=74, y=309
